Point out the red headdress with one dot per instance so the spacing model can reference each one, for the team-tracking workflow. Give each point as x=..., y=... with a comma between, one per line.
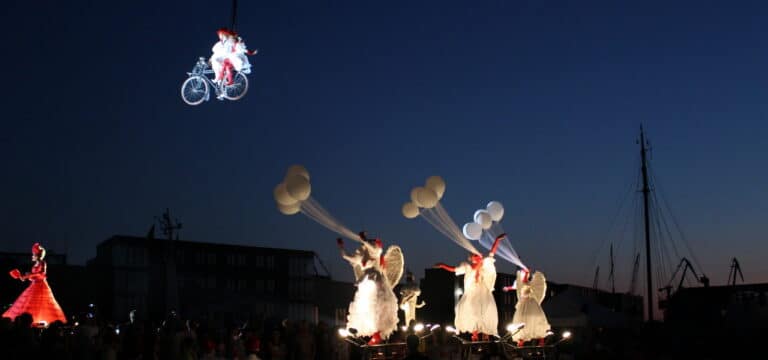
x=38, y=250
x=226, y=31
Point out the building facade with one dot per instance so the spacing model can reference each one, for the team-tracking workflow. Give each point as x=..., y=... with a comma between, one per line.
x=223, y=283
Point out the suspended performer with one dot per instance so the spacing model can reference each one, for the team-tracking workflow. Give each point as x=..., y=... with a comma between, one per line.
x=530, y=293
x=37, y=299
x=476, y=311
x=229, y=53
x=373, y=310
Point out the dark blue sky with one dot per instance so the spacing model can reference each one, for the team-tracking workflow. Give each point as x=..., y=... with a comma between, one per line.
x=535, y=104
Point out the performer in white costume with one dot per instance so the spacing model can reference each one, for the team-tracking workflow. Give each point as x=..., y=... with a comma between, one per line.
x=409, y=293
x=476, y=311
x=530, y=294
x=229, y=53
x=373, y=311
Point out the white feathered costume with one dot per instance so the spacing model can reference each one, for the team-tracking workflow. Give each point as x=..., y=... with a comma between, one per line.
x=476, y=310
x=530, y=294
x=373, y=311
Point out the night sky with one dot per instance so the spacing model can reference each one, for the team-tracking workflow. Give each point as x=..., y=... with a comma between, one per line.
x=536, y=104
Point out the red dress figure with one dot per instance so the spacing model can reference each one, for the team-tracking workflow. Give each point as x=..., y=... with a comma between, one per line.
x=37, y=299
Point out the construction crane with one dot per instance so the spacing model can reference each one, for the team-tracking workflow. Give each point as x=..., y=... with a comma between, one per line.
x=685, y=265
x=735, y=268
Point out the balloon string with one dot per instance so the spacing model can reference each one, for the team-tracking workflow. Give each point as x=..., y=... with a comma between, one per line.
x=441, y=221
x=312, y=209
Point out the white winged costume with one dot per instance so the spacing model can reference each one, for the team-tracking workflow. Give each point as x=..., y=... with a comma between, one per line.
x=530, y=294
x=373, y=311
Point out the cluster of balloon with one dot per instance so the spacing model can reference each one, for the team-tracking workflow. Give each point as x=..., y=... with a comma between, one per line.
x=426, y=196
x=293, y=191
x=483, y=220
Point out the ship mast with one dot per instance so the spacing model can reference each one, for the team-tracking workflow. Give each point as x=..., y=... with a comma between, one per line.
x=646, y=191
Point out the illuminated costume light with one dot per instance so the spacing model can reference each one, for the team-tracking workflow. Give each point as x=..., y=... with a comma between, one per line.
x=37, y=299
x=476, y=310
x=229, y=53
x=373, y=310
x=409, y=293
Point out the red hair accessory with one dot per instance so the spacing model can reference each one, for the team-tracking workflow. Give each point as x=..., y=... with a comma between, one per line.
x=226, y=31
x=37, y=249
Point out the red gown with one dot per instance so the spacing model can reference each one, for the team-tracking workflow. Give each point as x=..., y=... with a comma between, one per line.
x=37, y=299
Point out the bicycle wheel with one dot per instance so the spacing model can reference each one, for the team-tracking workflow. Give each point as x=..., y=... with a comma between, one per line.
x=194, y=90
x=238, y=88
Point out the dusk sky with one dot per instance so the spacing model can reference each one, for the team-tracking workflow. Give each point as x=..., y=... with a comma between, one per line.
x=536, y=104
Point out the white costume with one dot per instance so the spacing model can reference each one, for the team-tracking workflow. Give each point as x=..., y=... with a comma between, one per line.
x=373, y=311
x=230, y=47
x=476, y=310
x=528, y=310
x=409, y=294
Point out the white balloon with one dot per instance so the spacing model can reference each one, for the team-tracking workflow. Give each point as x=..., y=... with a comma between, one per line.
x=496, y=210
x=472, y=231
x=427, y=197
x=297, y=170
x=289, y=209
x=410, y=210
x=437, y=184
x=282, y=196
x=483, y=218
x=298, y=187
x=415, y=197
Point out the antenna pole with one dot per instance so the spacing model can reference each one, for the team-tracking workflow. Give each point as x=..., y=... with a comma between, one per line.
x=646, y=190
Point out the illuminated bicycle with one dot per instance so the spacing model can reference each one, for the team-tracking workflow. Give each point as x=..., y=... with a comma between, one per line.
x=197, y=88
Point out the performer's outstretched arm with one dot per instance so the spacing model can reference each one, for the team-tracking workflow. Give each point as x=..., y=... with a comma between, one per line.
x=445, y=267
x=496, y=244
x=344, y=254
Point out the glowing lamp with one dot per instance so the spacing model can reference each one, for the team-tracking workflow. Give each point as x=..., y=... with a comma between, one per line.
x=434, y=327
x=418, y=327
x=343, y=333
x=450, y=329
x=566, y=335
x=515, y=327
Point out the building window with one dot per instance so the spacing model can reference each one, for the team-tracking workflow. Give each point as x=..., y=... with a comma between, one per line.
x=242, y=284
x=270, y=262
x=260, y=261
x=259, y=286
x=241, y=260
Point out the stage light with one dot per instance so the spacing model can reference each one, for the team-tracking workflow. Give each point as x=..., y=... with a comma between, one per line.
x=450, y=329
x=434, y=327
x=343, y=332
x=566, y=335
x=405, y=328
x=418, y=327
